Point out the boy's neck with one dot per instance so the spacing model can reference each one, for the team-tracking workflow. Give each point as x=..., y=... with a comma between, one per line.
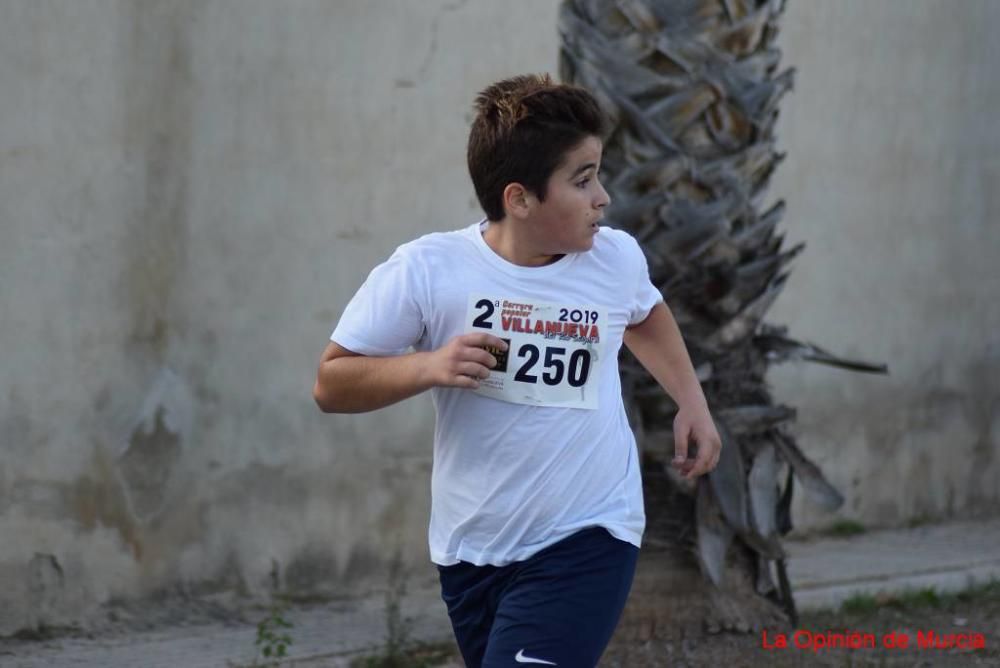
x=503, y=239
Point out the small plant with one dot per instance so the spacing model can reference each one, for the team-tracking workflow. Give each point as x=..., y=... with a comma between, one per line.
x=419, y=655
x=981, y=591
x=273, y=638
x=859, y=604
x=397, y=627
x=399, y=650
x=928, y=597
x=845, y=528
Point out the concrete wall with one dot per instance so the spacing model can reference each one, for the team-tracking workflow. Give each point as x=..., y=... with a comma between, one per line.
x=892, y=180
x=190, y=191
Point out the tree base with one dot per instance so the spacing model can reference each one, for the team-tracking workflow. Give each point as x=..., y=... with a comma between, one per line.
x=670, y=598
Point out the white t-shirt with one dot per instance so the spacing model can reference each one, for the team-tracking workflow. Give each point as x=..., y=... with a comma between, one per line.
x=554, y=454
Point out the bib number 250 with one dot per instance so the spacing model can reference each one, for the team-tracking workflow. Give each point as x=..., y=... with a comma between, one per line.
x=553, y=355
x=554, y=366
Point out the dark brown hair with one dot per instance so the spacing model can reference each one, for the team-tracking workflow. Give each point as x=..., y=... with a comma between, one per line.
x=523, y=128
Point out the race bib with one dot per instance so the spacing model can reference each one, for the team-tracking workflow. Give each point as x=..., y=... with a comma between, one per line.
x=554, y=352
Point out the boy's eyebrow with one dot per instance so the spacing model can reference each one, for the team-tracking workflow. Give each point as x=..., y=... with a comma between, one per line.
x=582, y=168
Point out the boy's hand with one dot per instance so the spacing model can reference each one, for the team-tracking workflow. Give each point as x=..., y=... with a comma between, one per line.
x=462, y=362
x=695, y=422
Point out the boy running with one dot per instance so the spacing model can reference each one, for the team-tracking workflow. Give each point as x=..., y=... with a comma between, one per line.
x=516, y=322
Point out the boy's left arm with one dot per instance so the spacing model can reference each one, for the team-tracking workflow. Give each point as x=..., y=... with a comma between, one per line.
x=657, y=343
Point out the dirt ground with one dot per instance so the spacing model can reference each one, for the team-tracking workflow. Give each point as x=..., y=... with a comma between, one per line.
x=886, y=620
x=970, y=616
x=913, y=616
x=974, y=612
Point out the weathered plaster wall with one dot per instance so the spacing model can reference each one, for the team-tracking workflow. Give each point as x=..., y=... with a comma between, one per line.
x=892, y=180
x=190, y=192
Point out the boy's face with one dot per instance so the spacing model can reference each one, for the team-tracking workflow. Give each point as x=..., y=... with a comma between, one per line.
x=567, y=220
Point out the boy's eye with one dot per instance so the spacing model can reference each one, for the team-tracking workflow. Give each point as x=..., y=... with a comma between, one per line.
x=582, y=184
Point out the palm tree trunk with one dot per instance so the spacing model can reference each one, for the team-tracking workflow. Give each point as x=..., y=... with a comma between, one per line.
x=692, y=90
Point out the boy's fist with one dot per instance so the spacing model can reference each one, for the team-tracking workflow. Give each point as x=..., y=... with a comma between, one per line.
x=462, y=362
x=694, y=423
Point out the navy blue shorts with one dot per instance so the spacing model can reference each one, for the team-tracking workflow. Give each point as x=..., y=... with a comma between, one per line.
x=557, y=608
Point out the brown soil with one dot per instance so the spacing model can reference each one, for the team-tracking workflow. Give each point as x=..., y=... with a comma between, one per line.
x=976, y=612
x=976, y=615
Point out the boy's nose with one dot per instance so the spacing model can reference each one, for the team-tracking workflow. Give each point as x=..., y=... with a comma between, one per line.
x=603, y=199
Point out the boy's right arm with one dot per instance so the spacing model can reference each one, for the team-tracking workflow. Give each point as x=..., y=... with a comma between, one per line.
x=351, y=383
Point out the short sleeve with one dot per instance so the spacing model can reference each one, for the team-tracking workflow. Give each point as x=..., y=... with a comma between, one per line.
x=384, y=317
x=645, y=295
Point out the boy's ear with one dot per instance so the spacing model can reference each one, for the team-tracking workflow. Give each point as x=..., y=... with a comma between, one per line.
x=516, y=200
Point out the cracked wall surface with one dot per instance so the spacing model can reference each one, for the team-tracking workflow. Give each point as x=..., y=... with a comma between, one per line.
x=190, y=192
